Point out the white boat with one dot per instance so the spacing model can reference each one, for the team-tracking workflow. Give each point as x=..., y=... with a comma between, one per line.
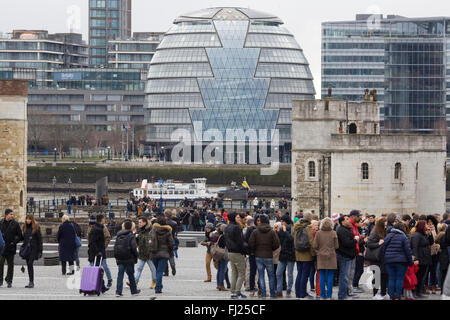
x=169, y=190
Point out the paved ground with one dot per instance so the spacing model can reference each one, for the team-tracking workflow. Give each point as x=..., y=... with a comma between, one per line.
x=187, y=284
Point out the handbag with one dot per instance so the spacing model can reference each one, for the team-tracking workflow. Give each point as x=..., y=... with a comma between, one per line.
x=217, y=252
x=25, y=251
x=77, y=238
x=373, y=255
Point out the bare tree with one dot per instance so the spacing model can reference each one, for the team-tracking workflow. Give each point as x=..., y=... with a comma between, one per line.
x=139, y=139
x=37, y=128
x=60, y=135
x=82, y=138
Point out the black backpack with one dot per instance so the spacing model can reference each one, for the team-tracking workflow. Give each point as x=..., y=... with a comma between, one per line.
x=122, y=249
x=302, y=240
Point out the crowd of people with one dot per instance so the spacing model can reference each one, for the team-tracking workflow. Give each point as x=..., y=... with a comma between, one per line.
x=409, y=254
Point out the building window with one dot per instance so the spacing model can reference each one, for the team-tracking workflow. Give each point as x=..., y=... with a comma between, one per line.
x=365, y=171
x=397, y=171
x=352, y=129
x=312, y=169
x=417, y=170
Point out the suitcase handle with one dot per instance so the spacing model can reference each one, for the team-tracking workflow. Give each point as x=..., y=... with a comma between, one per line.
x=101, y=260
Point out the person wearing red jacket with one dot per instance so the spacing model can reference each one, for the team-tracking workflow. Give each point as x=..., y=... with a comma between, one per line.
x=355, y=217
x=410, y=282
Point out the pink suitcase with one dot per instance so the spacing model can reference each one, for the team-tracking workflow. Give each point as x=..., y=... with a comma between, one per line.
x=91, y=280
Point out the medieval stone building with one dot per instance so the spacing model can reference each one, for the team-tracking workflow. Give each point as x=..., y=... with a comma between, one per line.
x=340, y=162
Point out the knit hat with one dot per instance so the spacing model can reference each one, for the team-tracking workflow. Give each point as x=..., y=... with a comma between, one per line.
x=335, y=217
x=209, y=225
x=307, y=216
x=355, y=213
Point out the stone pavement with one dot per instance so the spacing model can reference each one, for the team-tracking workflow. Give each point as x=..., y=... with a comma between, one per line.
x=186, y=285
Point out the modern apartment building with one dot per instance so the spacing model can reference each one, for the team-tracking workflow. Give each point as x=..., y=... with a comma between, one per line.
x=43, y=52
x=136, y=52
x=405, y=59
x=108, y=20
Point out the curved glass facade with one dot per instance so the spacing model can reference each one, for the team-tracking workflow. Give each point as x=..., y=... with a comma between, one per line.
x=226, y=68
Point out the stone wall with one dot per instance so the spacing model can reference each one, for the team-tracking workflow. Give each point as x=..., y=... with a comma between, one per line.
x=13, y=147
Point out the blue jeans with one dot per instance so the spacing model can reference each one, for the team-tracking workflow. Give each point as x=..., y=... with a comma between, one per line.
x=303, y=272
x=344, y=271
x=160, y=265
x=327, y=275
x=221, y=271
x=312, y=278
x=290, y=273
x=129, y=270
x=105, y=268
x=140, y=267
x=185, y=227
x=265, y=264
x=396, y=274
x=253, y=268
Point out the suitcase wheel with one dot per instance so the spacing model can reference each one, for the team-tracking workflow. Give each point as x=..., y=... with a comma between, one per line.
x=98, y=294
x=85, y=294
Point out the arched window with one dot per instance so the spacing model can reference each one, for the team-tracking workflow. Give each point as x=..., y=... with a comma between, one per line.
x=365, y=171
x=311, y=169
x=397, y=171
x=352, y=129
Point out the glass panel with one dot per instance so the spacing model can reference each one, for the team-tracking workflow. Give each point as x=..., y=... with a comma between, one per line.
x=180, y=55
x=189, y=41
x=280, y=55
x=267, y=70
x=175, y=101
x=271, y=41
x=172, y=85
x=180, y=70
x=169, y=116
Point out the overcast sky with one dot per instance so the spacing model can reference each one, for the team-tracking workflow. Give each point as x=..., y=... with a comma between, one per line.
x=302, y=18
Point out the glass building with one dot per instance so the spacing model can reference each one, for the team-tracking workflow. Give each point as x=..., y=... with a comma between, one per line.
x=404, y=59
x=226, y=68
x=108, y=20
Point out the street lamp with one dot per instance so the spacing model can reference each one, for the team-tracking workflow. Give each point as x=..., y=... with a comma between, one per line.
x=69, y=207
x=109, y=154
x=54, y=151
x=54, y=193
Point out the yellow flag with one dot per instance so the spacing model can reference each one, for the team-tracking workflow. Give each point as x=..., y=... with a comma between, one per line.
x=245, y=185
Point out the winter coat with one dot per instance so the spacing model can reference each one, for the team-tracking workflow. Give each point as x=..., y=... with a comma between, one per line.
x=248, y=232
x=66, y=240
x=373, y=244
x=12, y=235
x=2, y=243
x=287, y=252
x=165, y=241
x=443, y=252
x=325, y=244
x=263, y=241
x=396, y=248
x=96, y=242
x=174, y=225
x=347, y=244
x=234, y=239
x=421, y=251
x=304, y=256
x=143, y=243
x=130, y=240
x=410, y=280
x=196, y=220
x=35, y=241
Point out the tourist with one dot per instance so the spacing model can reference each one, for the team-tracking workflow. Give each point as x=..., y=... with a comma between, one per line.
x=222, y=263
x=420, y=245
x=396, y=255
x=163, y=251
x=234, y=242
x=196, y=221
x=286, y=258
x=373, y=256
x=145, y=254
x=252, y=268
x=262, y=242
x=325, y=245
x=209, y=228
x=12, y=235
x=169, y=215
x=443, y=252
x=312, y=273
x=303, y=254
x=431, y=276
x=32, y=238
x=77, y=249
x=345, y=254
x=96, y=245
x=371, y=225
x=66, y=239
x=276, y=253
x=125, y=253
x=355, y=218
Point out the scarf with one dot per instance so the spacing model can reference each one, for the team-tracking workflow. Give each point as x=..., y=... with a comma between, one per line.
x=355, y=232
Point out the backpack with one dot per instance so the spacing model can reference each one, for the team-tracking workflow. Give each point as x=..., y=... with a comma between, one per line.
x=122, y=249
x=302, y=240
x=153, y=241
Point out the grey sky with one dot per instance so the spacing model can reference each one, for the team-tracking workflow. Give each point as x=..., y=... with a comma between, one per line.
x=302, y=18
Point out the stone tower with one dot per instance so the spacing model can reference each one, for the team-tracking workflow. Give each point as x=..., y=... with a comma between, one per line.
x=313, y=125
x=13, y=147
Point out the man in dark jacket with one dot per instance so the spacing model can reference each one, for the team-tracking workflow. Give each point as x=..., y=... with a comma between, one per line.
x=126, y=255
x=234, y=241
x=251, y=257
x=162, y=250
x=96, y=246
x=12, y=235
x=170, y=222
x=287, y=257
x=263, y=241
x=145, y=254
x=345, y=254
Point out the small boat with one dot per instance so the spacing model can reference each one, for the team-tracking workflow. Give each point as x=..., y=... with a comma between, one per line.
x=170, y=190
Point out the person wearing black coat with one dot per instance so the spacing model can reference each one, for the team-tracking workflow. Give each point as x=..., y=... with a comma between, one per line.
x=126, y=254
x=345, y=254
x=96, y=240
x=376, y=240
x=12, y=235
x=174, y=225
x=32, y=238
x=420, y=245
x=251, y=257
x=66, y=240
x=286, y=260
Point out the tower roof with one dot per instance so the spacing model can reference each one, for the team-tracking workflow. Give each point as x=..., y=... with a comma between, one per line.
x=228, y=13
